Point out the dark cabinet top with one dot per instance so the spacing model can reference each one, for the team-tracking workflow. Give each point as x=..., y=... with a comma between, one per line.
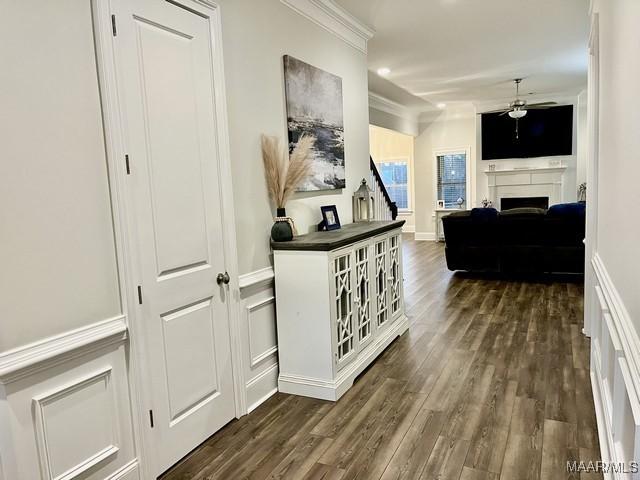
x=330, y=240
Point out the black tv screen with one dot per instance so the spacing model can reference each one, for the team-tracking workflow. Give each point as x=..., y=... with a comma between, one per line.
x=542, y=133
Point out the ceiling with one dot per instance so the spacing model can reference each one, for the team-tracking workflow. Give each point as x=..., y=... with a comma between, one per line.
x=460, y=51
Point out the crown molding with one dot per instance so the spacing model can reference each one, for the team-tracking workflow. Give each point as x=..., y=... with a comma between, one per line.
x=334, y=19
x=383, y=104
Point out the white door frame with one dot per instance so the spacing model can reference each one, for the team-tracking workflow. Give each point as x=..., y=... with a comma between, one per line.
x=127, y=258
x=591, y=305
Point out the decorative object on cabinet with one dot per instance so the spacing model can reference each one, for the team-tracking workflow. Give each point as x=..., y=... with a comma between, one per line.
x=363, y=203
x=339, y=304
x=283, y=178
x=314, y=107
x=486, y=203
x=582, y=192
x=330, y=219
x=440, y=204
x=460, y=202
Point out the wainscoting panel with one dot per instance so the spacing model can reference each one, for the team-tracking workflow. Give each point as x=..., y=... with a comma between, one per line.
x=70, y=418
x=65, y=453
x=615, y=377
x=258, y=329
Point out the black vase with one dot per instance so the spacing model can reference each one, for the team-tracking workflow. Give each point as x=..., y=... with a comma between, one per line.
x=281, y=230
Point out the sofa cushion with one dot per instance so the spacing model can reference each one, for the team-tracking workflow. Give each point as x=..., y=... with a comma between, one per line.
x=484, y=214
x=524, y=211
x=576, y=209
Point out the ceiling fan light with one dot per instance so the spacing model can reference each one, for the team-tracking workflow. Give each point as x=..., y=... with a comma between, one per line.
x=517, y=113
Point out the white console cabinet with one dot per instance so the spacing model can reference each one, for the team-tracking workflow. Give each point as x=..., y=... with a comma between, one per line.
x=339, y=303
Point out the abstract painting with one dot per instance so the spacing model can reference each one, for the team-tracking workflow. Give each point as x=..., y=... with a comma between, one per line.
x=314, y=107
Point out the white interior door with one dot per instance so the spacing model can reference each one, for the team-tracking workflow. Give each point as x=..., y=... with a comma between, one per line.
x=165, y=77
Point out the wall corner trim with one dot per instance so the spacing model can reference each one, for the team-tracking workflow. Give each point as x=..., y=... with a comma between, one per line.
x=28, y=359
x=334, y=19
x=262, y=277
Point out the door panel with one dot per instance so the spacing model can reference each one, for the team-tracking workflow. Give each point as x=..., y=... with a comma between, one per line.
x=189, y=340
x=171, y=121
x=165, y=79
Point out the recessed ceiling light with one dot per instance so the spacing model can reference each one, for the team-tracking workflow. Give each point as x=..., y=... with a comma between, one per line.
x=384, y=71
x=441, y=105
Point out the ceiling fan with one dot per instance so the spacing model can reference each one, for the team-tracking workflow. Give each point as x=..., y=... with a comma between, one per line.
x=518, y=108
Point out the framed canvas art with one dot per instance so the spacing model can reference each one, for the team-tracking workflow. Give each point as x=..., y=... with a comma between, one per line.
x=314, y=107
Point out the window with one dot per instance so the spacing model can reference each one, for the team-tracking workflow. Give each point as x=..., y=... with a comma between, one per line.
x=395, y=178
x=452, y=178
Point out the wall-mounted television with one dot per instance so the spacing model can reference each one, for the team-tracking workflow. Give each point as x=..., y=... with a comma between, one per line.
x=541, y=133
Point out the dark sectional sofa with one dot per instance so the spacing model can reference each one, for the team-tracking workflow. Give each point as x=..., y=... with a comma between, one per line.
x=520, y=240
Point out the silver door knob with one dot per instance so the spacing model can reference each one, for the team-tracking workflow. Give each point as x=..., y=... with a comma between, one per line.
x=223, y=278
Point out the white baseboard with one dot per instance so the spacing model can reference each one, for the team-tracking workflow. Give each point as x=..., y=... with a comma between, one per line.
x=260, y=388
x=333, y=390
x=425, y=236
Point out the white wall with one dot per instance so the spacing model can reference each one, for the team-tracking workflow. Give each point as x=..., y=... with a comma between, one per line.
x=58, y=256
x=256, y=36
x=612, y=303
x=451, y=128
x=400, y=123
x=619, y=168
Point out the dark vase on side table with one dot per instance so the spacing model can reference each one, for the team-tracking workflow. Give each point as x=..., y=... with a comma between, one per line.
x=281, y=230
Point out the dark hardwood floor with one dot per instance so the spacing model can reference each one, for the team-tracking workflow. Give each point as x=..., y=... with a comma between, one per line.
x=490, y=382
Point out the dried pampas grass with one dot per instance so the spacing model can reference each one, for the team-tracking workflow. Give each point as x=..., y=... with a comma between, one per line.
x=284, y=177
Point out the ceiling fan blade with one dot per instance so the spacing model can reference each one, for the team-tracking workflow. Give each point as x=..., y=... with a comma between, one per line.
x=504, y=113
x=504, y=110
x=541, y=104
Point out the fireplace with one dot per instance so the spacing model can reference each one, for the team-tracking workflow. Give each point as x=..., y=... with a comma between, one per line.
x=507, y=203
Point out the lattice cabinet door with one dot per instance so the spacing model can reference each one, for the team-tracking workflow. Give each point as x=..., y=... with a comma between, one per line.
x=395, y=276
x=380, y=248
x=343, y=321
x=362, y=295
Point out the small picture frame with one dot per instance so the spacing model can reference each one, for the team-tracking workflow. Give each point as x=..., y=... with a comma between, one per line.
x=330, y=219
x=440, y=204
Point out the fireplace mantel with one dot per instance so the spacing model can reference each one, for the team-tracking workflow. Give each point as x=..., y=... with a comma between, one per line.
x=511, y=171
x=526, y=182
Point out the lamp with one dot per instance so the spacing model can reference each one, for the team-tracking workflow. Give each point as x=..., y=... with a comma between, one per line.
x=517, y=113
x=363, y=204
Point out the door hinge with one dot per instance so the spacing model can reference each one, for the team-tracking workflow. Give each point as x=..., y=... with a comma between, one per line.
x=113, y=25
x=151, y=418
x=126, y=161
x=139, y=294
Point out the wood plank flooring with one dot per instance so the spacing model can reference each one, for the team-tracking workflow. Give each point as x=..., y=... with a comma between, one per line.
x=490, y=382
